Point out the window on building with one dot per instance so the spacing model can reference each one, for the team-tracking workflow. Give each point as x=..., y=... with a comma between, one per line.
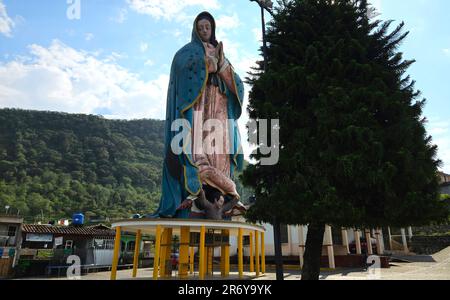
x=3, y=229
x=12, y=231
x=109, y=244
x=130, y=245
x=99, y=244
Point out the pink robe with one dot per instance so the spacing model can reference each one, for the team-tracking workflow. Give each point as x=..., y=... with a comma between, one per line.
x=213, y=159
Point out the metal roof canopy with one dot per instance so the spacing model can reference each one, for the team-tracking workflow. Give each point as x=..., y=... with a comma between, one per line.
x=148, y=226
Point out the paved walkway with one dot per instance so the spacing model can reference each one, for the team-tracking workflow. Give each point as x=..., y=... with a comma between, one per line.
x=400, y=271
x=435, y=267
x=427, y=267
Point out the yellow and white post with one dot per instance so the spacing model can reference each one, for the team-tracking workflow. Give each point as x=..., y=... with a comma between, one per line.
x=345, y=240
x=137, y=247
x=166, y=252
x=378, y=235
x=225, y=255
x=202, y=267
x=390, y=238
x=252, y=266
x=257, y=252
x=115, y=261
x=157, y=252
x=329, y=243
x=210, y=256
x=368, y=242
x=184, y=252
x=263, y=254
x=240, y=254
x=357, y=234
x=301, y=245
x=191, y=260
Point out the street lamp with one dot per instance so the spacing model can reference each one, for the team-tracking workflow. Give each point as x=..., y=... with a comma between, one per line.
x=7, y=208
x=265, y=5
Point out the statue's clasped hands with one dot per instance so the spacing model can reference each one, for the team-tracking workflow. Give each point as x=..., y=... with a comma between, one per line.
x=216, y=58
x=220, y=55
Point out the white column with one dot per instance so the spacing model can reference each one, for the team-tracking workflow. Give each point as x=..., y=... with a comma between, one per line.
x=378, y=237
x=410, y=234
x=290, y=239
x=368, y=242
x=383, y=248
x=357, y=235
x=405, y=244
x=330, y=250
x=345, y=239
x=390, y=238
x=301, y=244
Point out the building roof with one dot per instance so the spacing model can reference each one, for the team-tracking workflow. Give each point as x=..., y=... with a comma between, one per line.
x=444, y=178
x=10, y=219
x=96, y=230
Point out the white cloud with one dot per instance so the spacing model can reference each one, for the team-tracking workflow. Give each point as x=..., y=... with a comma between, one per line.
x=113, y=57
x=177, y=33
x=418, y=26
x=169, y=9
x=143, y=47
x=446, y=51
x=181, y=36
x=444, y=152
x=149, y=63
x=121, y=16
x=60, y=78
x=257, y=32
x=6, y=23
x=224, y=22
x=88, y=36
x=377, y=5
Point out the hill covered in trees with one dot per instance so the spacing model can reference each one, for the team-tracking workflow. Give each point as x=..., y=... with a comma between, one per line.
x=54, y=164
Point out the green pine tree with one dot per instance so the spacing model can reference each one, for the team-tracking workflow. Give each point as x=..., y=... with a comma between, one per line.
x=354, y=150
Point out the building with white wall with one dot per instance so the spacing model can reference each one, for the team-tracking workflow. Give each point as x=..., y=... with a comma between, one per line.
x=338, y=242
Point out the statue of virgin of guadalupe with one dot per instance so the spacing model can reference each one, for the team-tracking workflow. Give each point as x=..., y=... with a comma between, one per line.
x=203, y=87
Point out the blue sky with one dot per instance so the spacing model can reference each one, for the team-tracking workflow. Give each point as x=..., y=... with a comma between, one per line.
x=115, y=59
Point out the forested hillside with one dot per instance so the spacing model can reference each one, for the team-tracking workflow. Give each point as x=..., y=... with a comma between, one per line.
x=54, y=164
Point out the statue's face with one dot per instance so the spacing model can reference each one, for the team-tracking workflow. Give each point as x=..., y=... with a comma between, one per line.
x=204, y=30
